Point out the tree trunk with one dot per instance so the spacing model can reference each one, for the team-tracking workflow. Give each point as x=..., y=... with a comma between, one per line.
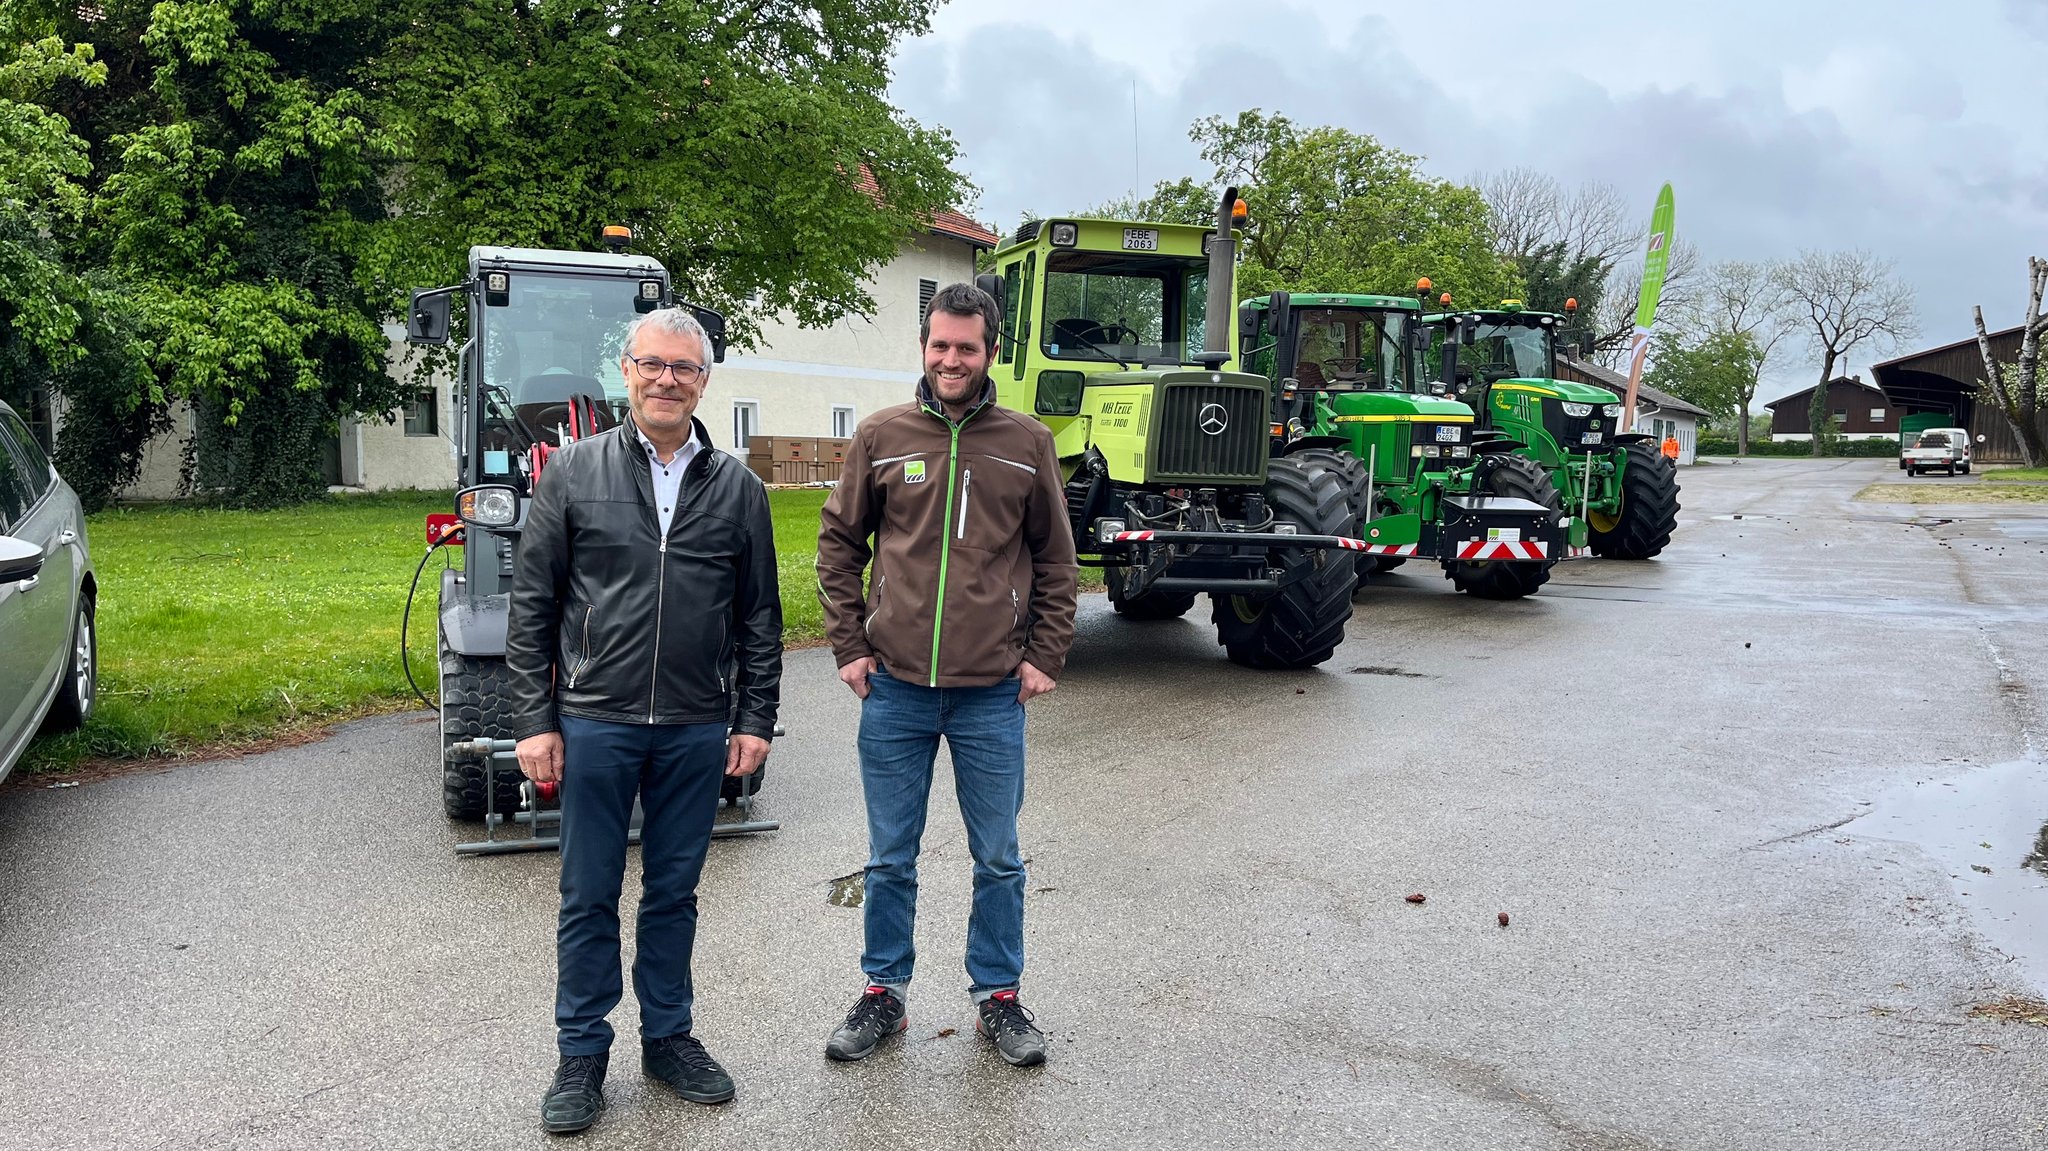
x=1818, y=414
x=1742, y=431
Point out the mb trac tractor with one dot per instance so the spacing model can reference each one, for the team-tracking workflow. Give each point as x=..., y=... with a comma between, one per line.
x=1117, y=339
x=1620, y=493
x=538, y=368
x=1345, y=370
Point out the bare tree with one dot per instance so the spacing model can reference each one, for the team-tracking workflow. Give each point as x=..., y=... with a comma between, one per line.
x=1843, y=300
x=1522, y=205
x=1740, y=298
x=2017, y=389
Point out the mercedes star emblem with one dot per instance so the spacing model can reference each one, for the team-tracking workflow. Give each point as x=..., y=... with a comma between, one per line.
x=1214, y=419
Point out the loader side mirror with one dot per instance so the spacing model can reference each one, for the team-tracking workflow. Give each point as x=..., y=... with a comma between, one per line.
x=993, y=285
x=426, y=320
x=714, y=326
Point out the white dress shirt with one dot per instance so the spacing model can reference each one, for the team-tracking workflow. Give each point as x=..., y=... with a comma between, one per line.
x=668, y=477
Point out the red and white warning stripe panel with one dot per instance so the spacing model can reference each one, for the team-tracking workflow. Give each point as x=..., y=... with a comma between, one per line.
x=1390, y=549
x=1503, y=550
x=1349, y=544
x=1133, y=537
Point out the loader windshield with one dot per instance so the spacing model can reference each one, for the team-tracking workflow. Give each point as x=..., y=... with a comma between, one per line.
x=1120, y=306
x=558, y=336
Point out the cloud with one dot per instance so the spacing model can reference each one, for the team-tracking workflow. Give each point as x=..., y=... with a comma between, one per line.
x=1866, y=145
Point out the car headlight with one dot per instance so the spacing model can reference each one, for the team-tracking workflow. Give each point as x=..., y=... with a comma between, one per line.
x=1613, y=411
x=488, y=506
x=1577, y=411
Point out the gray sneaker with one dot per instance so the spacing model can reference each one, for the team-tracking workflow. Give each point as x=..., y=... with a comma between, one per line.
x=1008, y=1024
x=878, y=1015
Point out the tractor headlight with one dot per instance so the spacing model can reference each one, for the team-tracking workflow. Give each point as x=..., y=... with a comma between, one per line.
x=1577, y=411
x=1286, y=529
x=1461, y=452
x=1613, y=411
x=488, y=506
x=1106, y=530
x=1065, y=235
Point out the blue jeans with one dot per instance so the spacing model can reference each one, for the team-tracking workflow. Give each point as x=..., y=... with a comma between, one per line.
x=676, y=769
x=900, y=726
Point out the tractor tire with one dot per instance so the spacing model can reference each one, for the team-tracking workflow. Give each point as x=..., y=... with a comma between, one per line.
x=1521, y=478
x=473, y=705
x=1151, y=605
x=1351, y=471
x=1302, y=625
x=1649, y=508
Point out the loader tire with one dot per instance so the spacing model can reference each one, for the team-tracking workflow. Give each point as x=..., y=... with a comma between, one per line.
x=474, y=704
x=1648, y=512
x=1302, y=625
x=1521, y=478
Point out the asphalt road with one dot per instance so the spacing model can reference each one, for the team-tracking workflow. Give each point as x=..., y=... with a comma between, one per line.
x=1728, y=798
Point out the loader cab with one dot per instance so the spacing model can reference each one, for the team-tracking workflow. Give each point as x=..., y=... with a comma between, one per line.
x=1087, y=299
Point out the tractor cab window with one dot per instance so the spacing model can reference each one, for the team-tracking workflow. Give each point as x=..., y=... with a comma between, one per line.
x=1117, y=306
x=559, y=336
x=1348, y=350
x=1508, y=352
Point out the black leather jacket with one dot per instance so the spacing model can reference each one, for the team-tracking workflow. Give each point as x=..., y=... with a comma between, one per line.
x=611, y=621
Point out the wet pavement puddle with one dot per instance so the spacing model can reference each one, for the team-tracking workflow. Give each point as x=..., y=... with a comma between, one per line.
x=847, y=890
x=1988, y=828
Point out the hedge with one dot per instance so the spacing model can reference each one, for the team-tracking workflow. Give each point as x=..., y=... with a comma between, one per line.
x=1859, y=449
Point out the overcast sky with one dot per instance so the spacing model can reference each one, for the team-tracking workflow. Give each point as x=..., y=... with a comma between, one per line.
x=1916, y=131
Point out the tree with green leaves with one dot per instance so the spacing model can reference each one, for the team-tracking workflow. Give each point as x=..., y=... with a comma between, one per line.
x=1715, y=370
x=269, y=179
x=1337, y=211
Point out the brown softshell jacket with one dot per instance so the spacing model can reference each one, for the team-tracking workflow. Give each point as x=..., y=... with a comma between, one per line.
x=973, y=558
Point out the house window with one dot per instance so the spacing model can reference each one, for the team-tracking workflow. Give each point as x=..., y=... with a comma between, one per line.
x=746, y=423
x=423, y=413
x=842, y=421
x=1841, y=415
x=1877, y=413
x=926, y=289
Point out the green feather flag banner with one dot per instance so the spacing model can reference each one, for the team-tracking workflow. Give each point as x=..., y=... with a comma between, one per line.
x=1657, y=255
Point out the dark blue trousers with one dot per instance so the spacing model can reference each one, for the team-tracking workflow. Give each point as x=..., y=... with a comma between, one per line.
x=676, y=771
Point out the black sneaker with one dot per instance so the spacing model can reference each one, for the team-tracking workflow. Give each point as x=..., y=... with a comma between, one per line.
x=878, y=1015
x=1007, y=1023
x=682, y=1063
x=576, y=1096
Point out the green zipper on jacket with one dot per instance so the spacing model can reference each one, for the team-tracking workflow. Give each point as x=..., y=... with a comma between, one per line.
x=946, y=531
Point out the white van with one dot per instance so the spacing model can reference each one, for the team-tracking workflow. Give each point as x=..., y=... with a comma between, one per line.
x=1944, y=448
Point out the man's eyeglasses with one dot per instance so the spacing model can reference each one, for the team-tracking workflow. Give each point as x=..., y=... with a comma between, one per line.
x=684, y=371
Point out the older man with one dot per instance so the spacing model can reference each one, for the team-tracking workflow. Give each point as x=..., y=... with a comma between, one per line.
x=644, y=618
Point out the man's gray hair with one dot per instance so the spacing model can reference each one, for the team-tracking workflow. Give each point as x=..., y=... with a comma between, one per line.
x=671, y=322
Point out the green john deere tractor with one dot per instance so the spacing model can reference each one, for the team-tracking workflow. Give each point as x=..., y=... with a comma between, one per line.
x=1117, y=338
x=1422, y=479
x=1620, y=493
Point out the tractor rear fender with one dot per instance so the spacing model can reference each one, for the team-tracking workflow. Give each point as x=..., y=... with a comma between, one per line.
x=1335, y=443
x=1495, y=447
x=473, y=627
x=1627, y=438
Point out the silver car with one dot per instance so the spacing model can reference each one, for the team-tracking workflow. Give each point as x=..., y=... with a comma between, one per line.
x=49, y=658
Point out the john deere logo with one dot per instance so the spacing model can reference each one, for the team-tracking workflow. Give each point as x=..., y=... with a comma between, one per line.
x=1213, y=419
x=913, y=471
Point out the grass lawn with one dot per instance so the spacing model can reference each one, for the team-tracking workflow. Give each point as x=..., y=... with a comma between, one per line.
x=1926, y=493
x=221, y=627
x=2017, y=475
